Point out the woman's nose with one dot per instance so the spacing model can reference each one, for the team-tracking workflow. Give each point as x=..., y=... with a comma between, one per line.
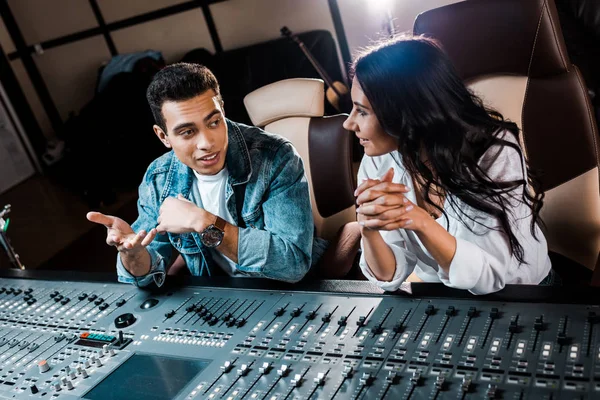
x=348, y=124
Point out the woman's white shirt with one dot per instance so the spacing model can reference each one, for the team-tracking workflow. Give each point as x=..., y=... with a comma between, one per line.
x=483, y=262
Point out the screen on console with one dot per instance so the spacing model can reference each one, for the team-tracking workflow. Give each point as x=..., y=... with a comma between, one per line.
x=148, y=377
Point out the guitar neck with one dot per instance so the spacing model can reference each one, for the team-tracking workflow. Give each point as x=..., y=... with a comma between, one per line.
x=318, y=67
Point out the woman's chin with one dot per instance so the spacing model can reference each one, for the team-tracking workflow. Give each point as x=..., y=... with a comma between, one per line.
x=371, y=152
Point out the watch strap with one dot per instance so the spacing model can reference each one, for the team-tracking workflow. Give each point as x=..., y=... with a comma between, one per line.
x=220, y=223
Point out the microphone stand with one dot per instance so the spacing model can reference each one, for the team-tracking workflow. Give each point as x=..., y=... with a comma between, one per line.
x=13, y=257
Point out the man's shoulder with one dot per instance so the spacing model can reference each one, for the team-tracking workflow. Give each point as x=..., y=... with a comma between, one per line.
x=257, y=138
x=161, y=165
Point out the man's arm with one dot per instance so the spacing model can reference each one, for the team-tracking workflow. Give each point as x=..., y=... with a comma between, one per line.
x=282, y=250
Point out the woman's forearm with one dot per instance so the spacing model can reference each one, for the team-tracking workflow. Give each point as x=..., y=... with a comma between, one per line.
x=440, y=244
x=378, y=255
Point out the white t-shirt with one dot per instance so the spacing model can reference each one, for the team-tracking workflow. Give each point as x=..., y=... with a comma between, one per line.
x=212, y=194
x=482, y=262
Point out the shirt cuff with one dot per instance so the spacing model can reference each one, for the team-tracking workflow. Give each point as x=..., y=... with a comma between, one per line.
x=466, y=266
x=156, y=274
x=400, y=274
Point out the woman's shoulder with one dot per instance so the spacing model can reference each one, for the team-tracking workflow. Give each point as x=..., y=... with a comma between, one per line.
x=504, y=160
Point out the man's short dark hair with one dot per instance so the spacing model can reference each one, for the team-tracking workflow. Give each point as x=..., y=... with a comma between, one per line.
x=179, y=82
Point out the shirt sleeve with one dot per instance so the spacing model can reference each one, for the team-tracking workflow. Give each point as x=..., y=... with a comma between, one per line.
x=160, y=249
x=483, y=255
x=396, y=240
x=282, y=250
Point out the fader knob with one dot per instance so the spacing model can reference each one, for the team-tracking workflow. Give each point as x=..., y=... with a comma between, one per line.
x=562, y=339
x=472, y=312
x=430, y=310
x=297, y=381
x=466, y=384
x=538, y=325
x=283, y=370
x=279, y=312
x=120, y=302
x=392, y=377
x=243, y=370
x=366, y=379
x=348, y=371
x=320, y=379
x=439, y=382
x=240, y=322
x=266, y=367
x=124, y=320
x=227, y=367
x=34, y=389
x=82, y=296
x=494, y=313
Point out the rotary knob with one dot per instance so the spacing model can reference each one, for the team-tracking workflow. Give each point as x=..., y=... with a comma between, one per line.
x=43, y=366
x=124, y=320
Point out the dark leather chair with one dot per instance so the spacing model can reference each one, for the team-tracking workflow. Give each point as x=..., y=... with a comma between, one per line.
x=294, y=109
x=512, y=53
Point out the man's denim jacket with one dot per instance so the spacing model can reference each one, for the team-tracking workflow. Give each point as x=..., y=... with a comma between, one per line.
x=278, y=239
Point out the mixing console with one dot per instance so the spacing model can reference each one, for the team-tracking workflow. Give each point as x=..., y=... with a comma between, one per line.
x=69, y=340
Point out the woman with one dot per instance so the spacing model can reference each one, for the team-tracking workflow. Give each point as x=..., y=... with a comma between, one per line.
x=444, y=193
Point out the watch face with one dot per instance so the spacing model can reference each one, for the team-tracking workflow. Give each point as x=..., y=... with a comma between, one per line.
x=212, y=236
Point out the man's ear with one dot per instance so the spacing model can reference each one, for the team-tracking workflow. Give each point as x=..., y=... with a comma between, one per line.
x=162, y=136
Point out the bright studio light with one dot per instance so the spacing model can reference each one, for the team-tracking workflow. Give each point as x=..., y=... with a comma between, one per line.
x=382, y=6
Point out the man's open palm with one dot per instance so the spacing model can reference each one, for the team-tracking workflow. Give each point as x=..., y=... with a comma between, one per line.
x=121, y=235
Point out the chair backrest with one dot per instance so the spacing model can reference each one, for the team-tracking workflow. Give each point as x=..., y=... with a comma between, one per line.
x=512, y=54
x=294, y=108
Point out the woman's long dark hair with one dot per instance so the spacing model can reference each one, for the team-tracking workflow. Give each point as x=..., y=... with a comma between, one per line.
x=419, y=99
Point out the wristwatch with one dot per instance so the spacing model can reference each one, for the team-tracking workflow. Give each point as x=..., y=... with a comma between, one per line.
x=212, y=235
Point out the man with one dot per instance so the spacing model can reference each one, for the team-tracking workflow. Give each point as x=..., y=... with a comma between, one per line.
x=228, y=196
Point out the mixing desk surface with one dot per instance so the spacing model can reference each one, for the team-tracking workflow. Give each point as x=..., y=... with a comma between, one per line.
x=63, y=339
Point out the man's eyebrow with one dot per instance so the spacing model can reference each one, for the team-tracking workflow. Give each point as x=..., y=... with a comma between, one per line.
x=183, y=125
x=209, y=116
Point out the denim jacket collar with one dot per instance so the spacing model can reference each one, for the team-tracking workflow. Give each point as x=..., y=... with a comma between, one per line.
x=181, y=177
